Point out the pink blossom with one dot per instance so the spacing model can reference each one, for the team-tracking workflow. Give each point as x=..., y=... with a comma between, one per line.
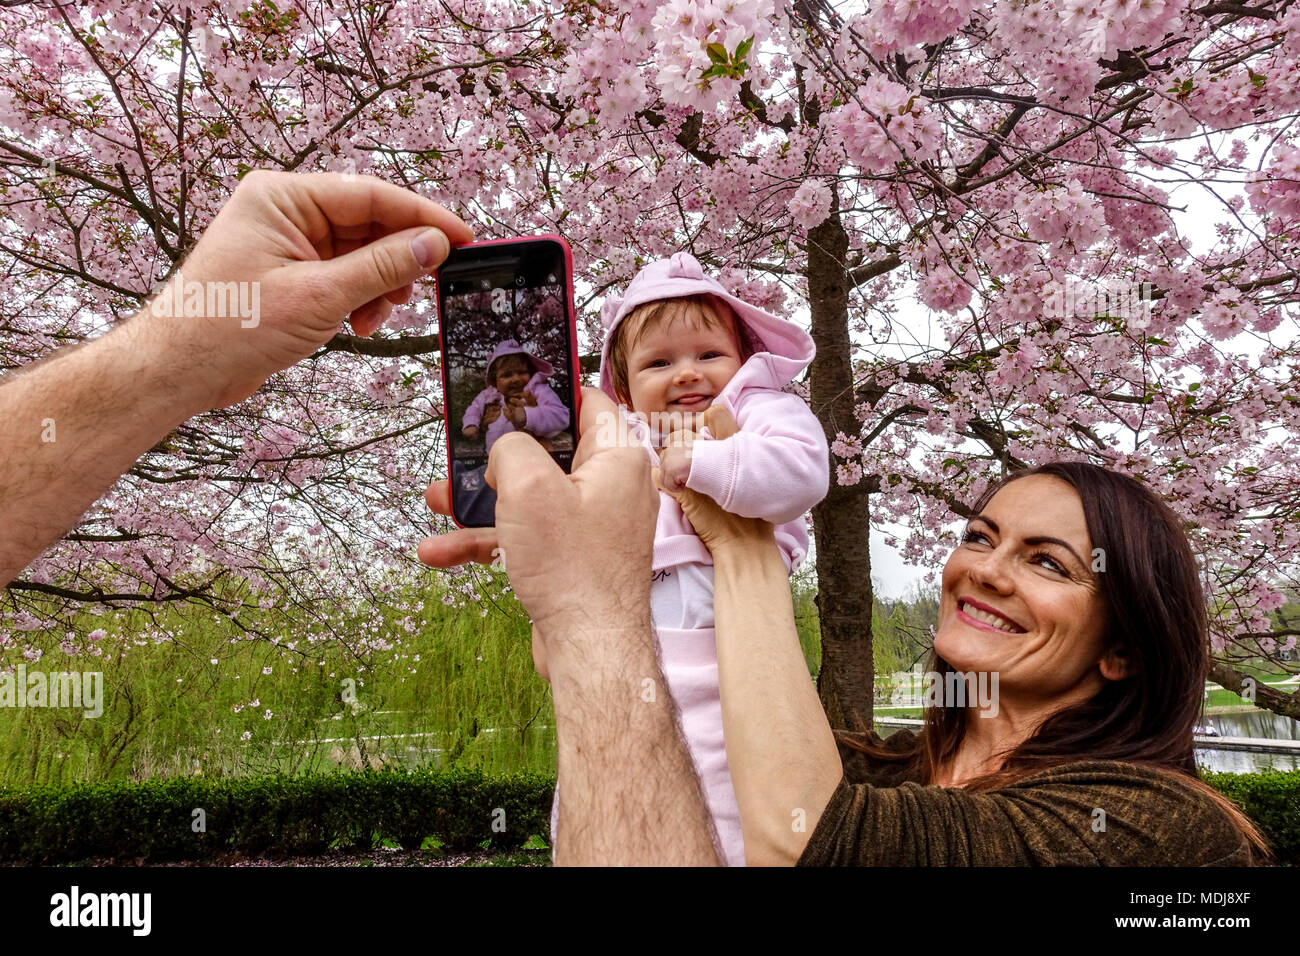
x=944, y=290
x=811, y=203
x=1276, y=192
x=845, y=447
x=911, y=23
x=1226, y=314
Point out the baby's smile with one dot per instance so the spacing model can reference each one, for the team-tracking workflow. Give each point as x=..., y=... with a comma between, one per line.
x=691, y=402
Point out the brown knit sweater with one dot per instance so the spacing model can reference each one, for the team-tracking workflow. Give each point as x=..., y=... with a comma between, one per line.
x=880, y=817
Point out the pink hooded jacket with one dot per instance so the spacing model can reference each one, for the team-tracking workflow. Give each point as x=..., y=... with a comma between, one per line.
x=548, y=417
x=777, y=466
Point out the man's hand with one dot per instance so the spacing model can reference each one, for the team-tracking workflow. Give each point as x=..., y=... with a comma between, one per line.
x=577, y=547
x=314, y=249
x=279, y=267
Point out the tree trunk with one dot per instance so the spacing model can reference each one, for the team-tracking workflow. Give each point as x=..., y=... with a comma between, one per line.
x=1255, y=691
x=841, y=523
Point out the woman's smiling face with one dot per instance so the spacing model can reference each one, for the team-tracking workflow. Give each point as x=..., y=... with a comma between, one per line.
x=1020, y=597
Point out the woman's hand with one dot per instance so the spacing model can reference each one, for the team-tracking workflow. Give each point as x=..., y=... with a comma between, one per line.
x=718, y=529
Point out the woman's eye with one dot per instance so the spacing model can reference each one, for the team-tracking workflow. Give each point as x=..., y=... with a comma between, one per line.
x=1047, y=561
x=974, y=537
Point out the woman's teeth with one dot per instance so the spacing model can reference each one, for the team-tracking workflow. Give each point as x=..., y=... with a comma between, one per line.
x=1000, y=623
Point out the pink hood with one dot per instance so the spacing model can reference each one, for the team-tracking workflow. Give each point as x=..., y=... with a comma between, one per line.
x=777, y=466
x=785, y=348
x=511, y=347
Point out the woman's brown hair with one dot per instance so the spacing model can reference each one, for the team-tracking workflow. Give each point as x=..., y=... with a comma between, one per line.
x=1148, y=717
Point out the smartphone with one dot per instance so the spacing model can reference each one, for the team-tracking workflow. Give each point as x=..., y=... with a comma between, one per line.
x=507, y=330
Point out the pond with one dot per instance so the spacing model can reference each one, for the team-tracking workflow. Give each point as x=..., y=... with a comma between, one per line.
x=505, y=750
x=1255, y=723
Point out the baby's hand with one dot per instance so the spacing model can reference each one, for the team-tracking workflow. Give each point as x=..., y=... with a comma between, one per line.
x=491, y=413
x=530, y=399
x=470, y=432
x=674, y=467
x=515, y=413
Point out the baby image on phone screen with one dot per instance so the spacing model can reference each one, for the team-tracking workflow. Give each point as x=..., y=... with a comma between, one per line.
x=676, y=344
x=517, y=398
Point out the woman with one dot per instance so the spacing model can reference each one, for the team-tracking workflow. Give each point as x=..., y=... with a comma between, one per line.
x=1074, y=595
x=1074, y=586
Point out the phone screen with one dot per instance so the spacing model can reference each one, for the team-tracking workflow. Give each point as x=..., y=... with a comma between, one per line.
x=507, y=329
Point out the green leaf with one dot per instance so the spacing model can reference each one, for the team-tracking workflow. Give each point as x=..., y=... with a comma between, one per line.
x=535, y=842
x=717, y=53
x=743, y=48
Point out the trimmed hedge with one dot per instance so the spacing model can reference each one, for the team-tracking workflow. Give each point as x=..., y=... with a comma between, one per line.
x=277, y=815
x=1272, y=799
x=153, y=821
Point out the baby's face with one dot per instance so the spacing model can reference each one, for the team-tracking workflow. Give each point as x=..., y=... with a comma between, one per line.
x=512, y=374
x=677, y=368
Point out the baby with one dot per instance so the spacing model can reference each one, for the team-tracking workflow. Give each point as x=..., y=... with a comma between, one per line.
x=516, y=397
x=676, y=344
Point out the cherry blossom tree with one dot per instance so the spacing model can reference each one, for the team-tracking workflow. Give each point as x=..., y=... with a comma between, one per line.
x=1095, y=206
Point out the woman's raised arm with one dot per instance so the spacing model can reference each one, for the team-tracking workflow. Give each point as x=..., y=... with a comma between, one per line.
x=784, y=762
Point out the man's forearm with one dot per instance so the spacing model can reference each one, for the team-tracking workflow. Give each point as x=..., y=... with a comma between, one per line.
x=628, y=790
x=72, y=425
x=783, y=758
